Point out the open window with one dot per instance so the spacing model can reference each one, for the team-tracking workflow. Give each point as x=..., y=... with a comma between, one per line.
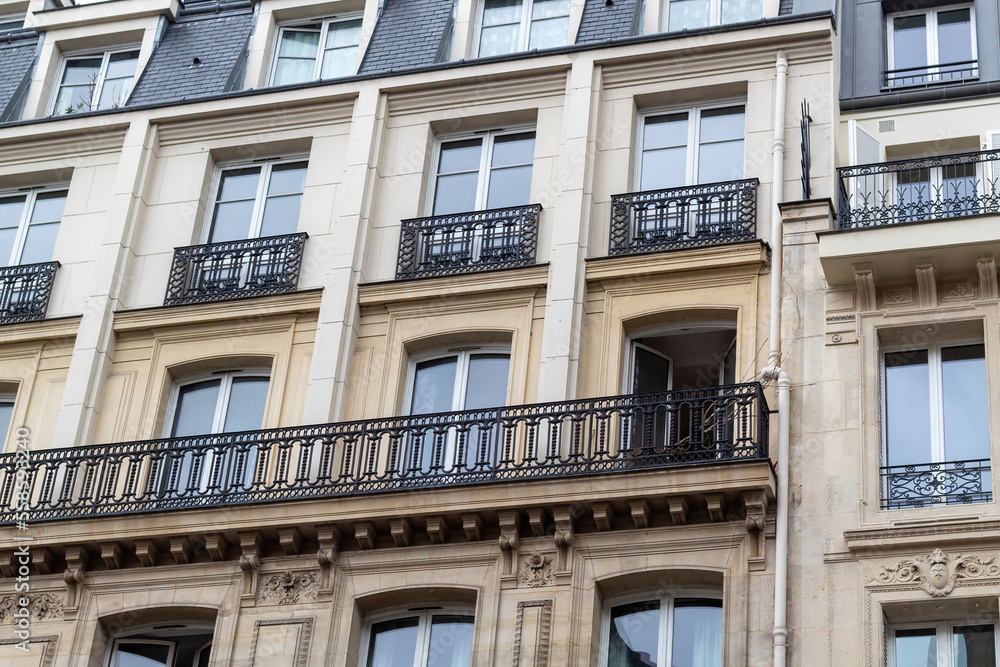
x=92, y=81
x=156, y=637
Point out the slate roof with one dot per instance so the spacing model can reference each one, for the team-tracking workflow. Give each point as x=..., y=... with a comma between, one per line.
x=17, y=57
x=601, y=22
x=213, y=31
x=408, y=34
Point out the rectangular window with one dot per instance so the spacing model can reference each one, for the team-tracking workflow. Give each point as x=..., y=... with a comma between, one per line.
x=676, y=15
x=257, y=200
x=29, y=223
x=666, y=631
x=489, y=171
x=509, y=26
x=320, y=50
x=692, y=146
x=943, y=645
x=440, y=638
x=932, y=46
x=95, y=81
x=11, y=22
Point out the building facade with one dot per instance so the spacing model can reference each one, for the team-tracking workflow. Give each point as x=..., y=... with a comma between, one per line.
x=415, y=332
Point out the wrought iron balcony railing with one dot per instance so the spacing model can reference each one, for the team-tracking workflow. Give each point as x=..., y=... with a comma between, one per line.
x=25, y=291
x=932, y=188
x=235, y=269
x=713, y=426
x=930, y=74
x=688, y=217
x=927, y=484
x=500, y=238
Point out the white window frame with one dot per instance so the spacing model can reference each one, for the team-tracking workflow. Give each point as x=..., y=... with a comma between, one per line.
x=931, y=45
x=7, y=398
x=326, y=22
x=7, y=18
x=29, y=207
x=714, y=15
x=694, y=127
x=464, y=354
x=485, y=162
x=945, y=646
x=99, y=84
x=222, y=401
x=257, y=217
x=130, y=640
x=665, y=645
x=523, y=34
x=423, y=629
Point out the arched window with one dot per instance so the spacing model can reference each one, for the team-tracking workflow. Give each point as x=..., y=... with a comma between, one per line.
x=223, y=402
x=434, y=636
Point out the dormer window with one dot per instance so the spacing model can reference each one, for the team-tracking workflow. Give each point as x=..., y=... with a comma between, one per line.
x=931, y=46
x=508, y=26
x=95, y=81
x=11, y=22
x=318, y=50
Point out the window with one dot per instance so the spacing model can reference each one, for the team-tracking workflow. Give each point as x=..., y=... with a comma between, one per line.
x=6, y=413
x=319, y=50
x=224, y=402
x=942, y=644
x=692, y=14
x=257, y=200
x=488, y=171
x=436, y=637
x=670, y=630
x=14, y=22
x=187, y=646
x=95, y=81
x=29, y=223
x=932, y=45
x=508, y=26
x=936, y=425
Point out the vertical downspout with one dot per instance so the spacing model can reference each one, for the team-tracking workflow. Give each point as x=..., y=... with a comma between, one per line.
x=774, y=370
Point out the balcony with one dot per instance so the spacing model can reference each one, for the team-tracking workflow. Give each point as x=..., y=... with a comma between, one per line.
x=501, y=238
x=690, y=217
x=719, y=426
x=25, y=291
x=956, y=72
x=235, y=269
x=929, y=484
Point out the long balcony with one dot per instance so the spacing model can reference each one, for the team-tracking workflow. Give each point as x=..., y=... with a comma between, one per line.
x=707, y=427
x=501, y=238
x=235, y=269
x=935, y=188
x=688, y=217
x=928, y=484
x=25, y=291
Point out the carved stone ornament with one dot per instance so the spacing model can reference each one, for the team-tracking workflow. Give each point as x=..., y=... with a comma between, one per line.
x=536, y=571
x=938, y=573
x=289, y=587
x=42, y=607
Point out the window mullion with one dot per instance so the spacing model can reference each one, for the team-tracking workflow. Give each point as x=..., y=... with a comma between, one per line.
x=22, y=228
x=944, y=646
x=693, y=147
x=461, y=380
x=483, y=184
x=258, y=205
x=666, y=644
x=95, y=99
x=320, y=50
x=423, y=639
x=525, y=37
x=936, y=403
x=932, y=43
x=222, y=405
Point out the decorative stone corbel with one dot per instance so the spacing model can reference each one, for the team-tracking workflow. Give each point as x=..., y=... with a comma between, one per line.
x=111, y=554
x=364, y=533
x=180, y=549
x=639, y=510
x=716, y=503
x=563, y=519
x=290, y=540
x=437, y=529
x=217, y=546
x=43, y=560
x=678, y=509
x=987, y=278
x=510, y=524
x=76, y=564
x=864, y=279
x=473, y=527
x=926, y=285
x=401, y=532
x=538, y=520
x=146, y=551
x=604, y=516
x=253, y=548
x=756, y=506
x=329, y=543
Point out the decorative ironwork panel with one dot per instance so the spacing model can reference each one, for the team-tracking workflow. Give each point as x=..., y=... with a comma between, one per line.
x=235, y=269
x=714, y=426
x=690, y=217
x=25, y=291
x=927, y=484
x=500, y=238
x=935, y=188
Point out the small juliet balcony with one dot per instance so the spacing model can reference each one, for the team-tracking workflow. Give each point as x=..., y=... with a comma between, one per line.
x=930, y=484
x=956, y=72
x=235, y=269
x=502, y=238
x=719, y=426
x=25, y=291
x=678, y=218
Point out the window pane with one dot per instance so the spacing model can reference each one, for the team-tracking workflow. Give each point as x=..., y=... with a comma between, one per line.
x=487, y=385
x=281, y=215
x=909, y=41
x=231, y=221
x=343, y=33
x=11, y=210
x=687, y=14
x=451, y=641
x=548, y=33
x=907, y=407
x=82, y=71
x=456, y=194
x=650, y=373
x=501, y=12
x=239, y=184
x=287, y=179
x=666, y=168
x=114, y=93
x=74, y=98
x=635, y=635
x=142, y=655
x=721, y=124
x=975, y=646
x=498, y=40
x=6, y=411
x=195, y=411
x=916, y=648
x=966, y=410
x=339, y=62
x=293, y=70
x=246, y=404
x=954, y=36
x=509, y=187
x=39, y=243
x=697, y=635
x=665, y=131
x=514, y=149
x=434, y=386
x=459, y=156
x=737, y=11
x=720, y=162
x=122, y=65
x=299, y=43
x=393, y=643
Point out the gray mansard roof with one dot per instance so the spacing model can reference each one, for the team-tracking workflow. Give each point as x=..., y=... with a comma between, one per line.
x=408, y=34
x=17, y=60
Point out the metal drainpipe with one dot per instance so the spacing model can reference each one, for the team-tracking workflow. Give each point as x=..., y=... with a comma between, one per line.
x=774, y=370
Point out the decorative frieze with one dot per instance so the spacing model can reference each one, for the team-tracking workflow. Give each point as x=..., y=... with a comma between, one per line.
x=41, y=607
x=289, y=588
x=938, y=573
x=897, y=296
x=536, y=571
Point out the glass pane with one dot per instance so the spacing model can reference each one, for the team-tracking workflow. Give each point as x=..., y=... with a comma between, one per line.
x=635, y=635
x=434, y=386
x=451, y=641
x=82, y=71
x=909, y=41
x=456, y=194
x=954, y=36
x=74, y=98
x=246, y=404
x=299, y=43
x=687, y=14
x=975, y=646
x=721, y=124
x=916, y=648
x=231, y=221
x=114, y=93
x=281, y=215
x=499, y=40
x=907, y=408
x=514, y=149
x=720, y=162
x=6, y=411
x=546, y=9
x=650, y=372
x=293, y=70
x=239, y=184
x=203, y=656
x=122, y=65
x=39, y=243
x=142, y=655
x=7, y=237
x=393, y=643
x=195, y=411
x=457, y=156
x=487, y=385
x=697, y=635
x=509, y=187
x=48, y=207
x=339, y=62
x=11, y=210
x=343, y=33
x=548, y=33
x=499, y=12
x=287, y=179
x=665, y=131
x=966, y=409
x=737, y=11
x=665, y=168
